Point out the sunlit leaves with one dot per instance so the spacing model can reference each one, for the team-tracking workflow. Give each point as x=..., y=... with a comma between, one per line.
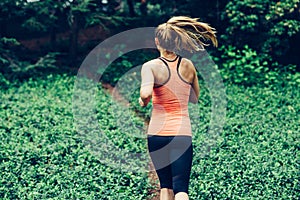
x=262, y=24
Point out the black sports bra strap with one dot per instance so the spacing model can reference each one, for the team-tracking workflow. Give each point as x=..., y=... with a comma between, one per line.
x=169, y=60
x=179, y=62
x=179, y=72
x=164, y=61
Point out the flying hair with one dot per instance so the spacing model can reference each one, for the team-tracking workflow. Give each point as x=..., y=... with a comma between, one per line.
x=186, y=33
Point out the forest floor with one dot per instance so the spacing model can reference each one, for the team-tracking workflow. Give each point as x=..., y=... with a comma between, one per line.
x=152, y=174
x=85, y=36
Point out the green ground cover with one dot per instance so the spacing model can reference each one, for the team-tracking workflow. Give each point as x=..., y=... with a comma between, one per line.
x=42, y=155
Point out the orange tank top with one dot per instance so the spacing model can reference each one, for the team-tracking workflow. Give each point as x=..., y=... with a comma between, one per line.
x=170, y=115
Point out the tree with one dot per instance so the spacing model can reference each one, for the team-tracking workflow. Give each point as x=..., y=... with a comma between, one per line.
x=266, y=25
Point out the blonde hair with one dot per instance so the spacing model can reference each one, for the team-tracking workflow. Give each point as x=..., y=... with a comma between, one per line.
x=187, y=33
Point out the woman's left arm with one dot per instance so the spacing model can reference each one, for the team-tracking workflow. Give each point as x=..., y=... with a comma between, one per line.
x=146, y=85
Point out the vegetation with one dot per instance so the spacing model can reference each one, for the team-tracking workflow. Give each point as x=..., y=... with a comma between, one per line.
x=44, y=156
x=54, y=148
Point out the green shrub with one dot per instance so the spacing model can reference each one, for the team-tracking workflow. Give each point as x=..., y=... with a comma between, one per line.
x=246, y=67
x=257, y=157
x=44, y=156
x=124, y=63
x=267, y=26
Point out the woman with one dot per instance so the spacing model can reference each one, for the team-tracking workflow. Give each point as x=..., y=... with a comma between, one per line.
x=171, y=81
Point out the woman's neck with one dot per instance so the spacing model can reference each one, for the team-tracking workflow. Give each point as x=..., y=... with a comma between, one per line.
x=168, y=54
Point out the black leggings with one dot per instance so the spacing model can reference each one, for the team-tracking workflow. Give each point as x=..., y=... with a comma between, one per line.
x=172, y=159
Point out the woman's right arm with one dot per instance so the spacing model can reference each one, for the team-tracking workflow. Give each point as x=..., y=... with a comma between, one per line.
x=146, y=85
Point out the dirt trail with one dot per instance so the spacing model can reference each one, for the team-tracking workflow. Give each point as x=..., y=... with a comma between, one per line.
x=152, y=174
x=154, y=180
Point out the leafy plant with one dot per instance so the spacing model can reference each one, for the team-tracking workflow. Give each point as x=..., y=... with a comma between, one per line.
x=267, y=26
x=43, y=155
x=245, y=66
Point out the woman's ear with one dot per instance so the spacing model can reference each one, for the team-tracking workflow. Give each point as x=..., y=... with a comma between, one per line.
x=156, y=41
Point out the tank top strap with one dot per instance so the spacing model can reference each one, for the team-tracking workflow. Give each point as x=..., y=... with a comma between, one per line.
x=166, y=61
x=178, y=63
x=173, y=66
x=162, y=58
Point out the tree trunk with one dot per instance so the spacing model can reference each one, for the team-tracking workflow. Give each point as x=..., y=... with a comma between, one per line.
x=74, y=39
x=143, y=7
x=53, y=38
x=131, y=8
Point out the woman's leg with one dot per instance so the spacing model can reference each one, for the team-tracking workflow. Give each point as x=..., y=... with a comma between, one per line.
x=181, y=196
x=171, y=194
x=166, y=194
x=159, y=153
x=181, y=159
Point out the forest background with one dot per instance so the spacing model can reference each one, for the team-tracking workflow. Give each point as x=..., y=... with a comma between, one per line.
x=42, y=45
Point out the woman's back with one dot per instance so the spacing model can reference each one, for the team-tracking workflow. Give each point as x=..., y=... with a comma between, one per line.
x=170, y=97
x=161, y=73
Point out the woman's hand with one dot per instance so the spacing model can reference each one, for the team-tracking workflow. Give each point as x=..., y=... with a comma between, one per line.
x=141, y=102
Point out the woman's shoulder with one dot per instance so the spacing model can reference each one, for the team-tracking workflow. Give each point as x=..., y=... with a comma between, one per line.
x=187, y=64
x=151, y=63
x=187, y=61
